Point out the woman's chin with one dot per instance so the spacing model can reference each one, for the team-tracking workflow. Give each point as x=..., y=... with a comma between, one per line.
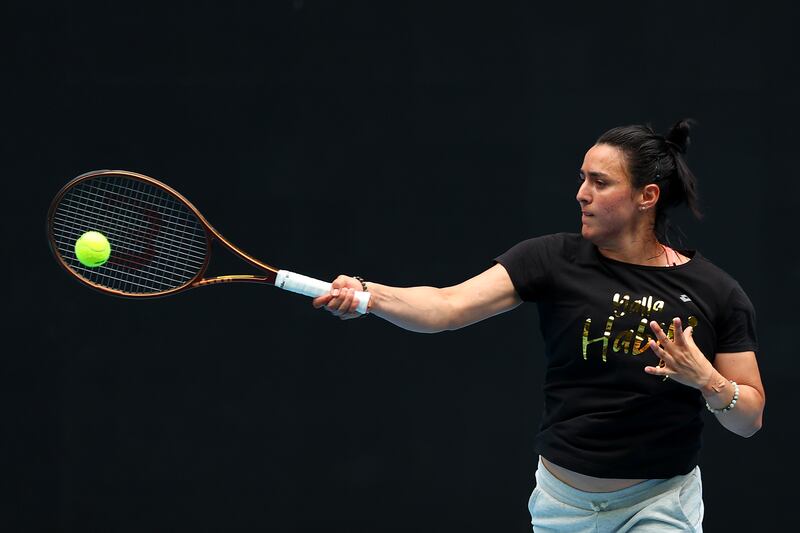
x=590, y=234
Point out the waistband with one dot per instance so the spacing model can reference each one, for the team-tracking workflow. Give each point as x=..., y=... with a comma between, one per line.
x=607, y=501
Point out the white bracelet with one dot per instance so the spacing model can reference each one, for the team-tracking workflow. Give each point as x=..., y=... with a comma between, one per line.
x=730, y=405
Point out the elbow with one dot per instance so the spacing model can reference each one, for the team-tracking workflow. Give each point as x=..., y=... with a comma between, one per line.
x=754, y=428
x=756, y=421
x=752, y=431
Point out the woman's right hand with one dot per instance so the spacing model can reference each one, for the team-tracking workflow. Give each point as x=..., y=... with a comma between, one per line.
x=340, y=301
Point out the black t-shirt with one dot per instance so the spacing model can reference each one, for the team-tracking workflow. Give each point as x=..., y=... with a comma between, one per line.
x=603, y=415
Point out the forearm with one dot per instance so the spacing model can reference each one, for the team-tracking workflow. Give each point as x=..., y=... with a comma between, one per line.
x=745, y=417
x=420, y=309
x=427, y=309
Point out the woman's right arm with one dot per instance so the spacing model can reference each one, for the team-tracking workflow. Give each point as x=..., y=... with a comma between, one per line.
x=428, y=309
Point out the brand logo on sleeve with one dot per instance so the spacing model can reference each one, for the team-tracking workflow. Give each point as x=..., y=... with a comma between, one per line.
x=685, y=298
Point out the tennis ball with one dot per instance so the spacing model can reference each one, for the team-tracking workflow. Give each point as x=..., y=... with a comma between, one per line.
x=92, y=249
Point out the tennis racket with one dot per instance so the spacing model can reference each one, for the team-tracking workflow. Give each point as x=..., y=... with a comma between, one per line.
x=160, y=243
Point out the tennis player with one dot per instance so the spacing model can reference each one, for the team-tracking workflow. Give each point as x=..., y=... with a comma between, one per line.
x=640, y=339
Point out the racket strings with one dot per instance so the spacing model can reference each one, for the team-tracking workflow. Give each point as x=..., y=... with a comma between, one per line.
x=67, y=225
x=157, y=242
x=153, y=280
x=132, y=232
x=167, y=210
x=141, y=231
x=125, y=220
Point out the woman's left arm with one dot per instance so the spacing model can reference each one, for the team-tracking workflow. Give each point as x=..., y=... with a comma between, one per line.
x=683, y=361
x=746, y=416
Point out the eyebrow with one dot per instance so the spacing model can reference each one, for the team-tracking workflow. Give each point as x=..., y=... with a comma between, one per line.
x=595, y=174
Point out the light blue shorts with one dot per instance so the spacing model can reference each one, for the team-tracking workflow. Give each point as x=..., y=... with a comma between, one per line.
x=652, y=506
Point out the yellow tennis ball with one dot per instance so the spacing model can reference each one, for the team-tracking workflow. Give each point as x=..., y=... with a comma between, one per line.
x=92, y=249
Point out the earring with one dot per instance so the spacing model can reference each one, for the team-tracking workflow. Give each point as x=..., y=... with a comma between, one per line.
x=642, y=208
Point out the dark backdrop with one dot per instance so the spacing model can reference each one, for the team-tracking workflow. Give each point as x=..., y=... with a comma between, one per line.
x=409, y=143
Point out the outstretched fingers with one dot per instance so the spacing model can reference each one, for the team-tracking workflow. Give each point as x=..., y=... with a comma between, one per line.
x=678, y=328
x=660, y=335
x=659, y=348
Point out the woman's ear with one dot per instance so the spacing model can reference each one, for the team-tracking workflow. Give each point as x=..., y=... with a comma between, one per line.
x=650, y=195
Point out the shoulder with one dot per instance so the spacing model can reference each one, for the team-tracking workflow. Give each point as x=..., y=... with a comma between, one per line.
x=551, y=250
x=734, y=315
x=531, y=263
x=553, y=242
x=715, y=274
x=719, y=281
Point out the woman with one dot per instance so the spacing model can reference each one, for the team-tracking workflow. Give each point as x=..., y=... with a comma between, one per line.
x=640, y=338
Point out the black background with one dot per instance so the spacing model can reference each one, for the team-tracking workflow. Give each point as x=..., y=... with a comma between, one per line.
x=409, y=143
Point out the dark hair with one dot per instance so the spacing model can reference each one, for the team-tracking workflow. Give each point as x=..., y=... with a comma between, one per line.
x=659, y=159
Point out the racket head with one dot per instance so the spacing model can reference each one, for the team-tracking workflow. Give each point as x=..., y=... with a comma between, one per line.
x=160, y=243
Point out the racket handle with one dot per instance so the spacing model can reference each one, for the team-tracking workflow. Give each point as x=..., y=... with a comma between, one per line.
x=291, y=281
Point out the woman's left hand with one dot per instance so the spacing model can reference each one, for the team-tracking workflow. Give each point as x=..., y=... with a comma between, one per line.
x=681, y=359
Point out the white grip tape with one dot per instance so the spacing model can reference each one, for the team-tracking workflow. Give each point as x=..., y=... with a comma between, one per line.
x=291, y=281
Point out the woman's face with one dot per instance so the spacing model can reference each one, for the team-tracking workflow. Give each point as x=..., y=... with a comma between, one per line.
x=609, y=205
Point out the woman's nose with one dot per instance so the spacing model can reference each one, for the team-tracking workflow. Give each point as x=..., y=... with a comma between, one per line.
x=583, y=196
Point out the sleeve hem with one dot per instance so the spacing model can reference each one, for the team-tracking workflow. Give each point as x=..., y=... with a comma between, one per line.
x=738, y=348
x=522, y=296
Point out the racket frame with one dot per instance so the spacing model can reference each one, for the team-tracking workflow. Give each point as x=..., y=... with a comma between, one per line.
x=270, y=272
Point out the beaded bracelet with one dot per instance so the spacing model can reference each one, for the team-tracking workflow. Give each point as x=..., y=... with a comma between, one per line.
x=364, y=288
x=730, y=405
x=363, y=283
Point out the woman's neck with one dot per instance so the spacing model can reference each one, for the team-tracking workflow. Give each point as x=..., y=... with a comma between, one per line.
x=641, y=249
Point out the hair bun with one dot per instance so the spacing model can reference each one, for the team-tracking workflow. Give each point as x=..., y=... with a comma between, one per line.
x=678, y=136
